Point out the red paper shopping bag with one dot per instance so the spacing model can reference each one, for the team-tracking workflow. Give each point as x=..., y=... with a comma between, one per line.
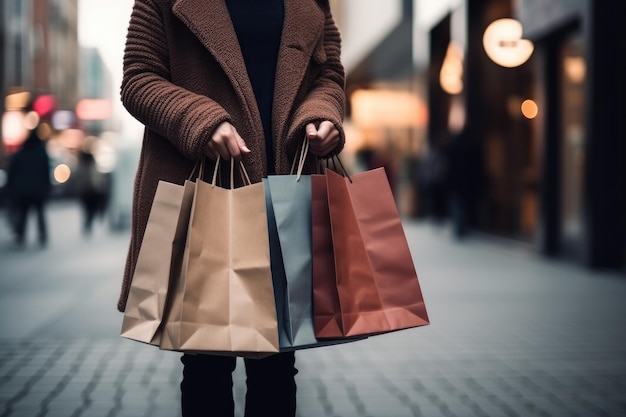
x=326, y=309
x=377, y=287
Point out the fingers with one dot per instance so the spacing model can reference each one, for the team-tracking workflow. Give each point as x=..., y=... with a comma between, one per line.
x=311, y=131
x=324, y=139
x=326, y=128
x=242, y=145
x=232, y=146
x=226, y=143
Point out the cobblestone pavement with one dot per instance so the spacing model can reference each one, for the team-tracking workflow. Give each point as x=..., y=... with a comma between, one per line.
x=511, y=334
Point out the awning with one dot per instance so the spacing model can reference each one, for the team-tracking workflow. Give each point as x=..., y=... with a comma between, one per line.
x=391, y=59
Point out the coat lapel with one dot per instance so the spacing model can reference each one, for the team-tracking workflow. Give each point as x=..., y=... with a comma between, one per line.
x=210, y=22
x=302, y=29
x=303, y=25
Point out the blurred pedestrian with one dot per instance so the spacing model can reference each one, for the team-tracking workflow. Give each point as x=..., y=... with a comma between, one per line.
x=29, y=185
x=433, y=171
x=465, y=181
x=230, y=78
x=91, y=188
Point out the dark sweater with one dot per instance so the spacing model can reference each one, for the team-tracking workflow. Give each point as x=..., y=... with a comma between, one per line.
x=259, y=25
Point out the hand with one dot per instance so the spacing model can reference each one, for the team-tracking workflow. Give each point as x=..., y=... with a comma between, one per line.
x=226, y=143
x=323, y=139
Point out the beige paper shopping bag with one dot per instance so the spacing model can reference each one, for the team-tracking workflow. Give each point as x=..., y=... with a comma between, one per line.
x=224, y=300
x=161, y=253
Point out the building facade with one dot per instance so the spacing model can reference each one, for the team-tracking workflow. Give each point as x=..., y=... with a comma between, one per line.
x=542, y=141
x=39, y=51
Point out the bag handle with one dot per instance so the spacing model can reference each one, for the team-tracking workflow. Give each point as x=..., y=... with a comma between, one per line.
x=199, y=166
x=215, y=171
x=304, y=151
x=322, y=164
x=335, y=159
x=242, y=172
x=318, y=162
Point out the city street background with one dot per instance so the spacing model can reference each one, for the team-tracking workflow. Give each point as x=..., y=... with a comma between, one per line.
x=496, y=118
x=511, y=334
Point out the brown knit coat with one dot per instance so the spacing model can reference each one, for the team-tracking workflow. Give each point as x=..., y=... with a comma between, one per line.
x=184, y=74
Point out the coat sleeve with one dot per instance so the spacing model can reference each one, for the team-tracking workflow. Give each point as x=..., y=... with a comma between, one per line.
x=185, y=118
x=326, y=100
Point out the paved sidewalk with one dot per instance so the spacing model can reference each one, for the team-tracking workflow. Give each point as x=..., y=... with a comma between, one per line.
x=511, y=335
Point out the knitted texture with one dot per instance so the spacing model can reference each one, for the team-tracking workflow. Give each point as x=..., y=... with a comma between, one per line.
x=183, y=75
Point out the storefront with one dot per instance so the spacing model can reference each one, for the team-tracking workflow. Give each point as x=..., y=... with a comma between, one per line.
x=545, y=135
x=582, y=133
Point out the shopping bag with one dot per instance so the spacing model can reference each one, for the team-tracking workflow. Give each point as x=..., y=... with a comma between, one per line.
x=288, y=203
x=326, y=308
x=288, y=211
x=376, y=281
x=224, y=300
x=160, y=254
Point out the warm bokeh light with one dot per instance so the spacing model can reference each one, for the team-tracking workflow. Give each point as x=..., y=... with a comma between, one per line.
x=31, y=120
x=94, y=109
x=17, y=100
x=71, y=138
x=504, y=45
x=387, y=108
x=44, y=130
x=13, y=129
x=529, y=109
x=62, y=173
x=451, y=75
x=575, y=68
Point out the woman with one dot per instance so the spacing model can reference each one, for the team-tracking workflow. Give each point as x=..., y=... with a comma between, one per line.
x=230, y=78
x=29, y=186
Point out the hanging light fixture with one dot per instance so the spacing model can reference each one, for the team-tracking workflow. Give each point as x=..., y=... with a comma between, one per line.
x=504, y=45
x=451, y=74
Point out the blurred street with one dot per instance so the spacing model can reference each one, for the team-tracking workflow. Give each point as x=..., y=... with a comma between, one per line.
x=511, y=334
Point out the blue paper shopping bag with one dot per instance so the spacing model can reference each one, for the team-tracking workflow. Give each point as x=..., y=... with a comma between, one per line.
x=288, y=204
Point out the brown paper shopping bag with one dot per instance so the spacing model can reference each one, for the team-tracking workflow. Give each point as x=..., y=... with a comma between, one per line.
x=223, y=302
x=376, y=282
x=160, y=253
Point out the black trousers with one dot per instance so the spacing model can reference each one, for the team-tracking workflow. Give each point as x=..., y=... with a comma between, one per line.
x=207, y=386
x=23, y=206
x=90, y=202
